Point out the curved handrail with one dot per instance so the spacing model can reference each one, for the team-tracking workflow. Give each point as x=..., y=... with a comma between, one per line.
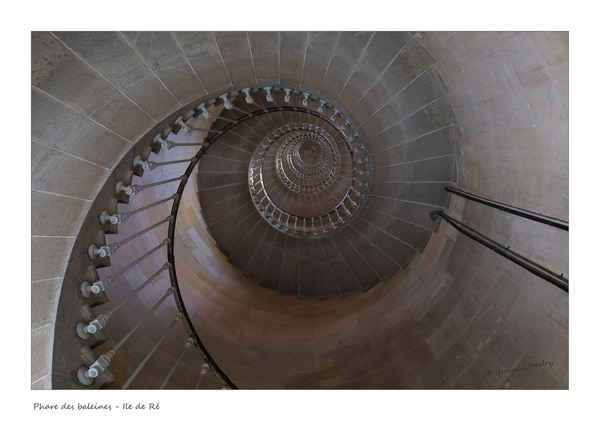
x=86, y=375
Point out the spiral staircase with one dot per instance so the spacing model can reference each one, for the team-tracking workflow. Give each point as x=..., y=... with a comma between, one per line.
x=296, y=227
x=278, y=227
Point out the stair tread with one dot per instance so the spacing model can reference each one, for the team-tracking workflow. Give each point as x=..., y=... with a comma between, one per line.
x=259, y=257
x=271, y=276
x=345, y=278
x=365, y=275
x=325, y=282
x=288, y=282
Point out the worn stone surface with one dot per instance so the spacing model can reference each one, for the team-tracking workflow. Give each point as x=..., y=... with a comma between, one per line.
x=41, y=361
x=61, y=74
x=111, y=55
x=45, y=206
x=237, y=57
x=49, y=256
x=163, y=57
x=62, y=128
x=56, y=172
x=44, y=299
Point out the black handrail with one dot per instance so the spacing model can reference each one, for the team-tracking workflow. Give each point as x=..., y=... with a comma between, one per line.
x=530, y=265
x=548, y=220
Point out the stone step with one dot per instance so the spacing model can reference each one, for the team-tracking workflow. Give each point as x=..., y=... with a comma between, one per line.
x=289, y=279
x=415, y=213
x=437, y=169
x=367, y=277
x=232, y=200
x=219, y=165
x=395, y=249
x=373, y=256
x=257, y=262
x=209, y=181
x=409, y=233
x=231, y=222
x=271, y=275
x=324, y=279
x=412, y=60
x=245, y=250
x=216, y=195
x=230, y=146
x=425, y=193
x=240, y=232
x=308, y=278
x=391, y=152
x=345, y=278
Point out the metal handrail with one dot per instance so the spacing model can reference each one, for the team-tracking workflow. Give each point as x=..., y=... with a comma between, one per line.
x=554, y=278
x=86, y=375
x=524, y=213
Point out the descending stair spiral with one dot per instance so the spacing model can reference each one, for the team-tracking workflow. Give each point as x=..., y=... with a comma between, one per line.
x=284, y=190
x=304, y=182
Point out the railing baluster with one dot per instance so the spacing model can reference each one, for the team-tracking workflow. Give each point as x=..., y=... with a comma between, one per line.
x=269, y=96
x=320, y=109
x=176, y=144
x=86, y=376
x=202, y=373
x=188, y=128
x=152, y=351
x=85, y=330
x=135, y=189
x=199, y=129
x=150, y=165
x=250, y=100
x=103, y=284
x=305, y=100
x=229, y=105
x=333, y=116
x=287, y=222
x=168, y=144
x=110, y=249
x=346, y=209
x=207, y=114
x=164, y=143
x=184, y=126
x=118, y=218
x=187, y=345
x=352, y=202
